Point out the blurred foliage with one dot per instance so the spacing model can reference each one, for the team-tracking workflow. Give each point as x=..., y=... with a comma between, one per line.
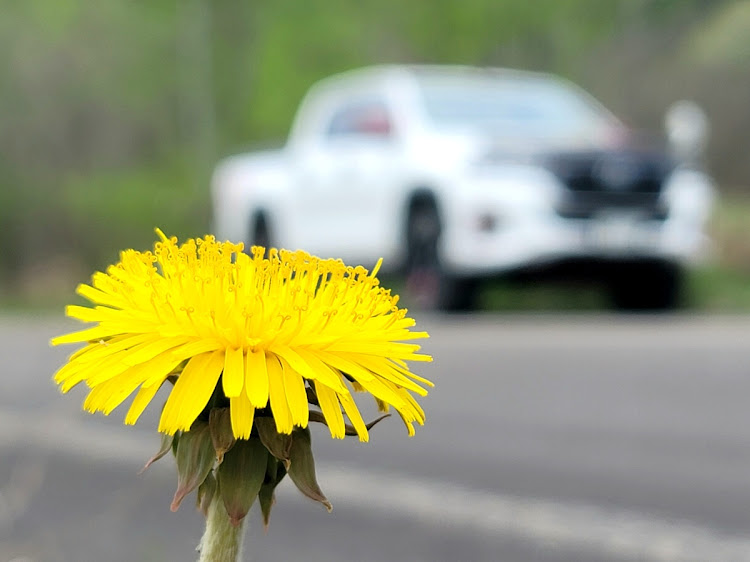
x=112, y=114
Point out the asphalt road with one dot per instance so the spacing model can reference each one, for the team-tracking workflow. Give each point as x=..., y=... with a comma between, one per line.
x=548, y=439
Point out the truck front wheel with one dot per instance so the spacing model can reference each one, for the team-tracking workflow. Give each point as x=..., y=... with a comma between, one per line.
x=260, y=232
x=428, y=285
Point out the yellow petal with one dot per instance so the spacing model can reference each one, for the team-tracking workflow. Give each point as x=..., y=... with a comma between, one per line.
x=384, y=349
x=277, y=395
x=106, y=396
x=67, y=371
x=408, y=423
x=256, y=378
x=329, y=405
x=141, y=400
x=82, y=313
x=419, y=415
x=128, y=383
x=101, y=349
x=147, y=351
x=97, y=296
x=296, y=396
x=352, y=412
x=404, y=370
x=382, y=406
x=364, y=377
x=87, y=348
x=345, y=365
x=95, y=399
x=309, y=365
x=159, y=368
x=382, y=367
x=234, y=372
x=241, y=413
x=89, y=334
x=95, y=372
x=191, y=392
x=197, y=348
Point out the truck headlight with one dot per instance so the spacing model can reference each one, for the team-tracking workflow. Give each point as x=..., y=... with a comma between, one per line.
x=689, y=195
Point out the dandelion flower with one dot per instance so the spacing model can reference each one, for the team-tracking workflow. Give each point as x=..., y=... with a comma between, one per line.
x=268, y=336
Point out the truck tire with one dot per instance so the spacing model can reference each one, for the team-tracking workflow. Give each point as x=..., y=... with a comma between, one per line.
x=260, y=232
x=646, y=286
x=428, y=285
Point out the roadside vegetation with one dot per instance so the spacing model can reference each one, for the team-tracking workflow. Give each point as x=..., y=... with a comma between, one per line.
x=113, y=114
x=719, y=285
x=723, y=283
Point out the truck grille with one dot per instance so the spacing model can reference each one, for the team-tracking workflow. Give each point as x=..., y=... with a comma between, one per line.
x=603, y=181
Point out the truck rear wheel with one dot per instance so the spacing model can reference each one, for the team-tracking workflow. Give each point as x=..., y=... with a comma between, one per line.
x=646, y=286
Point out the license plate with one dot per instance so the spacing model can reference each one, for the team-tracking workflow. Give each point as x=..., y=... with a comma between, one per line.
x=617, y=234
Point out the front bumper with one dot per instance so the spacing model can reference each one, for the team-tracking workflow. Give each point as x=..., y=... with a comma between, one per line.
x=519, y=243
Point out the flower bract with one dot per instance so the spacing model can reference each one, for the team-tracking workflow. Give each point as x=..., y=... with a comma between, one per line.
x=267, y=335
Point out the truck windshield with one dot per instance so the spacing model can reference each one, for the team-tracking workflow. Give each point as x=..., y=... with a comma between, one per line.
x=529, y=107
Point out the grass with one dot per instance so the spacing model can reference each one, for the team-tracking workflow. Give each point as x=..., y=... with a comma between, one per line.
x=718, y=289
x=711, y=289
x=723, y=284
x=514, y=297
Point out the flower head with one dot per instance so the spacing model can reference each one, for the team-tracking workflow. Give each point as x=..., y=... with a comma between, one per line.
x=267, y=335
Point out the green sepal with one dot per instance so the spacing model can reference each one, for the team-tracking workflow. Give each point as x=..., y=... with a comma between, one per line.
x=206, y=492
x=195, y=458
x=241, y=476
x=302, y=467
x=220, y=426
x=278, y=444
x=349, y=429
x=312, y=396
x=166, y=446
x=316, y=416
x=275, y=473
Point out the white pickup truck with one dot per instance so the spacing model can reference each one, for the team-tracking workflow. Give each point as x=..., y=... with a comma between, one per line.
x=454, y=175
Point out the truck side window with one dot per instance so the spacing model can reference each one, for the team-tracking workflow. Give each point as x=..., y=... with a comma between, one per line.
x=369, y=119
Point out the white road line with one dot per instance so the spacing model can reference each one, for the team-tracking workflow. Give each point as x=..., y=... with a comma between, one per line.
x=439, y=505
x=609, y=532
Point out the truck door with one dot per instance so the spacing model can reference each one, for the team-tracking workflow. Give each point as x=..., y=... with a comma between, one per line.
x=347, y=202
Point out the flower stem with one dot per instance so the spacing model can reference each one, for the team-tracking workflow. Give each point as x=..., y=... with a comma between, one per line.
x=221, y=542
